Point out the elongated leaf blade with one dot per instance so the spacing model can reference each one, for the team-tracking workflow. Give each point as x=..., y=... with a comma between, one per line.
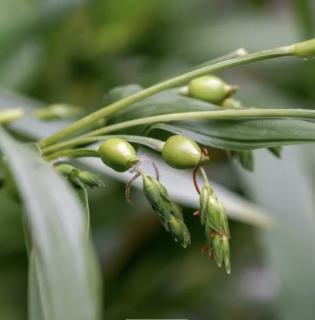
x=245, y=134
x=168, y=101
x=65, y=264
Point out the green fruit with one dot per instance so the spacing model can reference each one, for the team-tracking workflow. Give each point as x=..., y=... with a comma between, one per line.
x=210, y=88
x=181, y=152
x=118, y=154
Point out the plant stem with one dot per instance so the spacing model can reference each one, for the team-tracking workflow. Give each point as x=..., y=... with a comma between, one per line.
x=204, y=175
x=73, y=153
x=124, y=103
x=232, y=114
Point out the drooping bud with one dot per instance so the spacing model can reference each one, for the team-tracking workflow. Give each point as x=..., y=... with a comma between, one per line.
x=179, y=230
x=90, y=179
x=212, y=212
x=168, y=211
x=78, y=177
x=220, y=250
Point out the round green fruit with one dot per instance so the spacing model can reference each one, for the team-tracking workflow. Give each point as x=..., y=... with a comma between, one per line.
x=181, y=152
x=210, y=88
x=118, y=154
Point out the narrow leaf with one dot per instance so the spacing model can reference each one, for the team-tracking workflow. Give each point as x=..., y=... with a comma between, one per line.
x=245, y=134
x=65, y=263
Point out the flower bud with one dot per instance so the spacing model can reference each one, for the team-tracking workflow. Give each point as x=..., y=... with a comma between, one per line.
x=168, y=211
x=212, y=212
x=305, y=49
x=179, y=231
x=220, y=250
x=118, y=154
x=90, y=179
x=210, y=88
x=181, y=152
x=78, y=177
x=230, y=103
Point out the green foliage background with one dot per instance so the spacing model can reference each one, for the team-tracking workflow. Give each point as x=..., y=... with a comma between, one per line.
x=75, y=51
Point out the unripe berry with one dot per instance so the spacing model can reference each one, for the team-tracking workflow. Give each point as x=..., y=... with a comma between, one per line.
x=118, y=154
x=210, y=88
x=181, y=152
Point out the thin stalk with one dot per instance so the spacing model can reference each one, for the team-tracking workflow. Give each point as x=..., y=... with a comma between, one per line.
x=204, y=175
x=72, y=153
x=124, y=103
x=232, y=114
x=152, y=143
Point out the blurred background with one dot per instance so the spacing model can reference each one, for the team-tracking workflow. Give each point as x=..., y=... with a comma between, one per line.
x=74, y=51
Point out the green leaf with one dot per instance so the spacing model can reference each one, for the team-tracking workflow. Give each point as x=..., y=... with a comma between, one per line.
x=36, y=303
x=245, y=134
x=65, y=265
x=168, y=101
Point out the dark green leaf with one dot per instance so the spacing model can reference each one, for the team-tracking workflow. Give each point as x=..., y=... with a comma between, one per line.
x=245, y=134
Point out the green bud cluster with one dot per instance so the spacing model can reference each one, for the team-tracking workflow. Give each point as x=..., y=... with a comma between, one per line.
x=168, y=211
x=79, y=177
x=213, y=218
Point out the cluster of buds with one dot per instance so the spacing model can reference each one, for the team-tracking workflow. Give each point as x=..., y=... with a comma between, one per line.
x=213, y=218
x=168, y=211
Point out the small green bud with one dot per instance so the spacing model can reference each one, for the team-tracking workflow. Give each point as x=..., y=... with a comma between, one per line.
x=168, y=211
x=155, y=192
x=78, y=177
x=118, y=154
x=210, y=88
x=230, y=103
x=212, y=212
x=181, y=152
x=205, y=192
x=67, y=170
x=90, y=179
x=220, y=250
x=305, y=49
x=57, y=111
x=179, y=231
